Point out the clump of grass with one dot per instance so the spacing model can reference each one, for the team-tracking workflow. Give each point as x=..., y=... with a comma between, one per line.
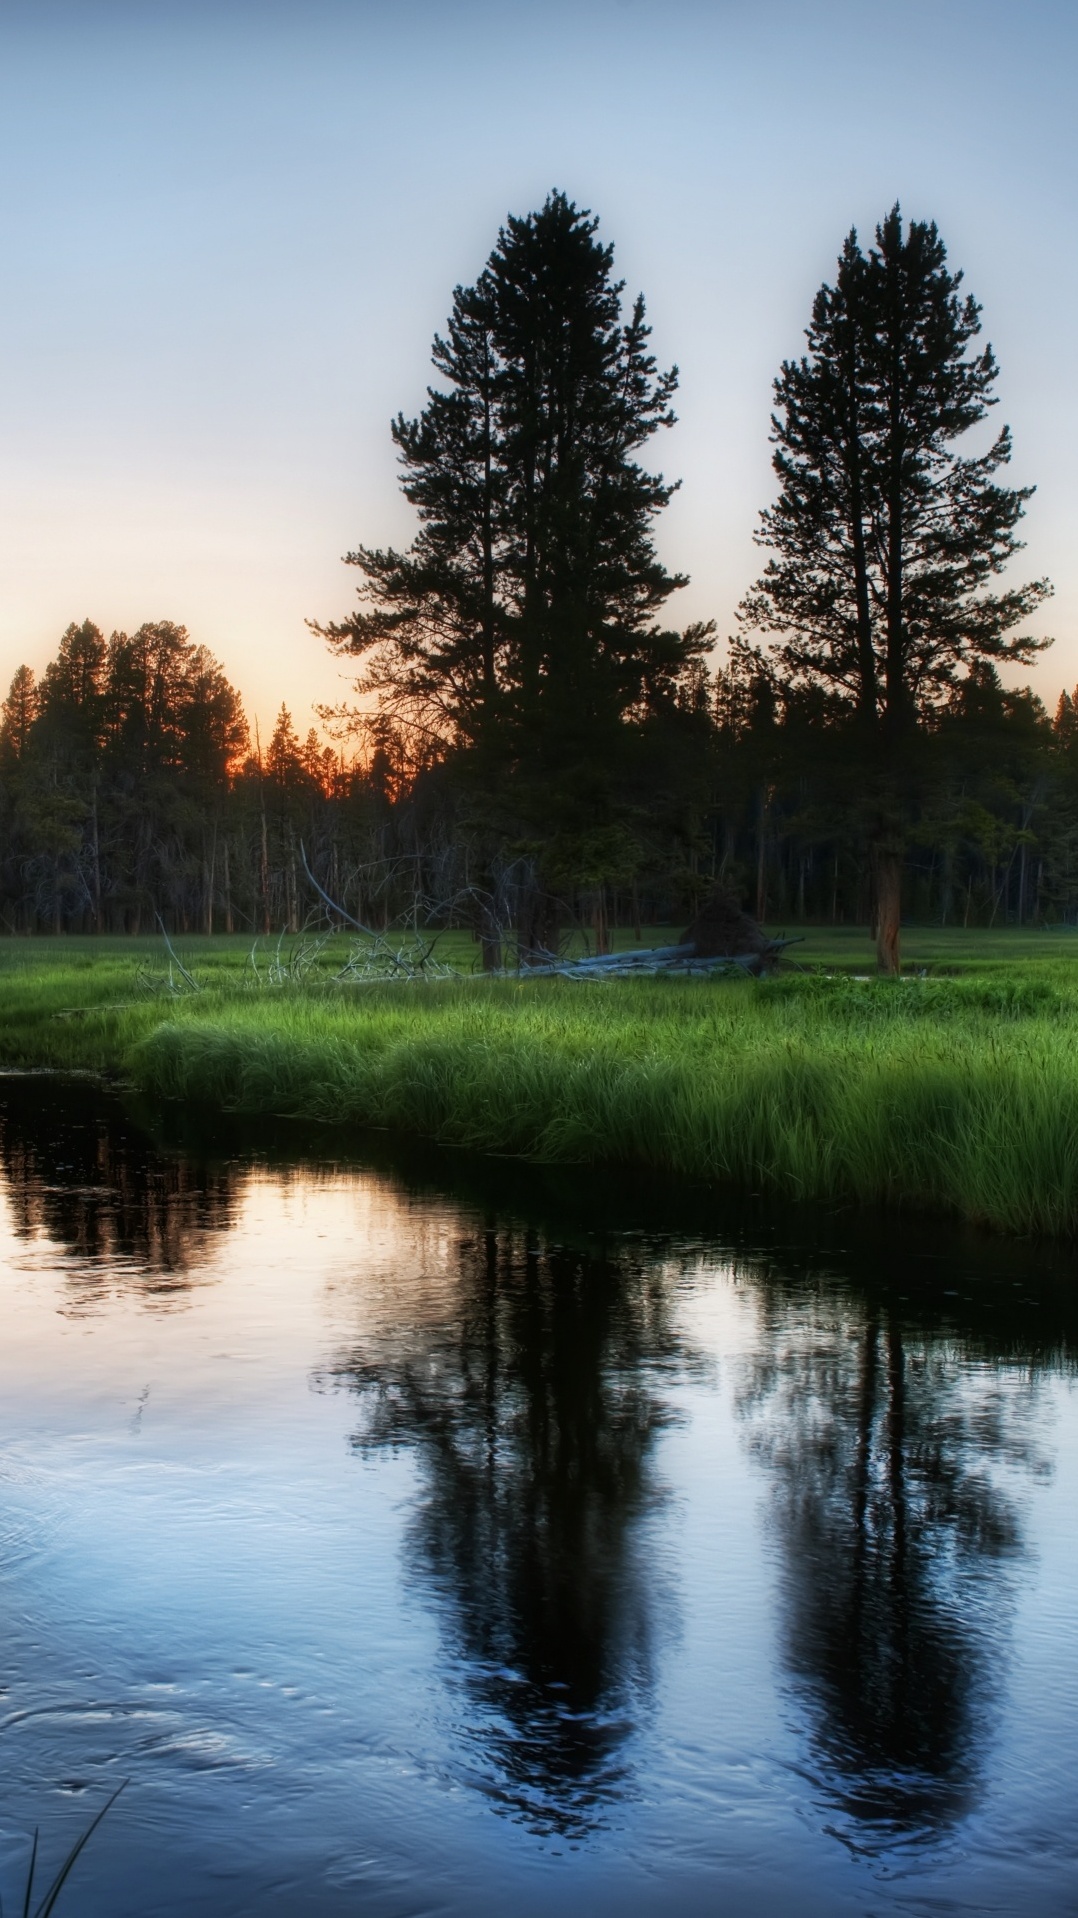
x=817, y=1093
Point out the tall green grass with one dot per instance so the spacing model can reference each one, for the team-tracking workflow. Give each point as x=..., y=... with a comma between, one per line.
x=949, y=1093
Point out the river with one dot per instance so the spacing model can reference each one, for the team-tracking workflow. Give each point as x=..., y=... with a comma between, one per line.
x=423, y=1535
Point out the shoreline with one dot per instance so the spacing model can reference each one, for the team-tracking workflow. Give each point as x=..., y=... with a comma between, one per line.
x=956, y=1095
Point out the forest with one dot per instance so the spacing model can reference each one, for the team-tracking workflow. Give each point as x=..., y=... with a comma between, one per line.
x=130, y=787
x=533, y=748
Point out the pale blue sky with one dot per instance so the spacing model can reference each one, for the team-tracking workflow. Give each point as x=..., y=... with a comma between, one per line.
x=229, y=231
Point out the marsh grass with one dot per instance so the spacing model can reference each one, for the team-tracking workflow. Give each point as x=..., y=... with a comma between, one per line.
x=958, y=1093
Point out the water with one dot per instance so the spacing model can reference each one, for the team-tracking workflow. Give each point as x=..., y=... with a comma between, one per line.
x=431, y=1537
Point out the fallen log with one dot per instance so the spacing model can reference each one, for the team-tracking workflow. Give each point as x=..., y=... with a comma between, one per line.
x=650, y=961
x=722, y=937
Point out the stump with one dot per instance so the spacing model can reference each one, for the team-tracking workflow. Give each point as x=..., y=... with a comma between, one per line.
x=721, y=929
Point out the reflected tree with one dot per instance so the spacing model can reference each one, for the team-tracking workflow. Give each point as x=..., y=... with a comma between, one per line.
x=533, y=1415
x=79, y=1171
x=896, y=1461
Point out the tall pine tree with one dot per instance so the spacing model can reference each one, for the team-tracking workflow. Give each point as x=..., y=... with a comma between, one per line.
x=885, y=536
x=520, y=632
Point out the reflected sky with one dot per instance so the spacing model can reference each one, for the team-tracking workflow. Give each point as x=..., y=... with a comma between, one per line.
x=421, y=1534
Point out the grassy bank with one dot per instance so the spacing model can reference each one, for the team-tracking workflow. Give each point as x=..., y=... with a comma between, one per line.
x=957, y=1092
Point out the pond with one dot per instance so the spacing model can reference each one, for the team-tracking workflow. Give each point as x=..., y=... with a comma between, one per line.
x=423, y=1535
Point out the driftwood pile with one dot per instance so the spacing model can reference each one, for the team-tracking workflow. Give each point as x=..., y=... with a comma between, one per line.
x=721, y=938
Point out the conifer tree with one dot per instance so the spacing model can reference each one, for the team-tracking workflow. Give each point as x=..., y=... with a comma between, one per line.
x=520, y=630
x=885, y=537
x=17, y=715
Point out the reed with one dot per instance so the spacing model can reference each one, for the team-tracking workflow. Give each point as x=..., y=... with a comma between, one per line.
x=47, y=1904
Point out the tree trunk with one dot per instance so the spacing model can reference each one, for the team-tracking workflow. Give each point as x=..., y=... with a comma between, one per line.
x=489, y=934
x=888, y=868
x=264, y=869
x=210, y=875
x=539, y=926
x=292, y=885
x=761, y=859
x=599, y=922
x=97, y=860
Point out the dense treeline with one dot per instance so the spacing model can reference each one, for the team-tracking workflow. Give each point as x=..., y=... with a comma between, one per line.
x=536, y=746
x=128, y=790
x=129, y=787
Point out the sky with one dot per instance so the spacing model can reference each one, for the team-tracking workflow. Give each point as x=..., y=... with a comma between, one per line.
x=230, y=228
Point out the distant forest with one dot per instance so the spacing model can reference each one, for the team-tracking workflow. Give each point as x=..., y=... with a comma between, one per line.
x=535, y=748
x=130, y=786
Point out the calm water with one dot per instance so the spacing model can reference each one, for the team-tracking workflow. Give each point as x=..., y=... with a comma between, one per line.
x=437, y=1538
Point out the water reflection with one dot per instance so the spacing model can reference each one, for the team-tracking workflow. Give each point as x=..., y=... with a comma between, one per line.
x=525, y=1343
x=533, y=1412
x=78, y=1171
x=898, y=1464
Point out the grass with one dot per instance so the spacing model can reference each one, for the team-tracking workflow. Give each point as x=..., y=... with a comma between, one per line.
x=955, y=1092
x=48, y=1902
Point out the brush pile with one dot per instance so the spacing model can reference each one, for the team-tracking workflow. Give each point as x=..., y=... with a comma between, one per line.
x=722, y=938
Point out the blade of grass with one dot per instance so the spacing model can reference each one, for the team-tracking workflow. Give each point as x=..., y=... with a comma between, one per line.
x=30, y=1877
x=59, y=1881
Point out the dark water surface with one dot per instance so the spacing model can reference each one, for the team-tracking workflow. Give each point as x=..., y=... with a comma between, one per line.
x=427, y=1537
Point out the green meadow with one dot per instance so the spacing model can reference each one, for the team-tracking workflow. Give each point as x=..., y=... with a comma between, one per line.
x=953, y=1088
